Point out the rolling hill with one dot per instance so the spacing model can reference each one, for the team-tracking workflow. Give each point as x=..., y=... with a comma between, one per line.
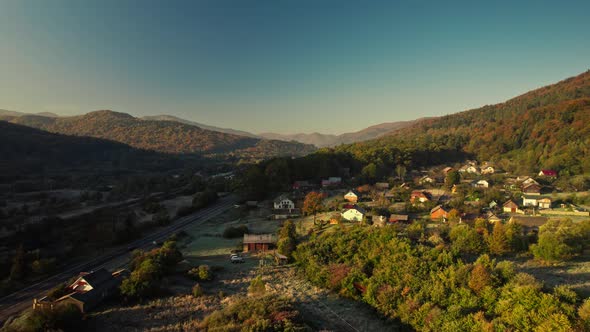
x=545, y=128
x=160, y=136
x=164, y=117
x=325, y=140
x=29, y=151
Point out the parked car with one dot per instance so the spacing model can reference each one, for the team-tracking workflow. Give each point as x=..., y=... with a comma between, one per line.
x=237, y=259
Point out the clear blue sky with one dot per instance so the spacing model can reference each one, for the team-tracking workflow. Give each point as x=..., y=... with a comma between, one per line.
x=284, y=66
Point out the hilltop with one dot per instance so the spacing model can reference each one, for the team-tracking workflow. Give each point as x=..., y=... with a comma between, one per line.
x=160, y=136
x=544, y=128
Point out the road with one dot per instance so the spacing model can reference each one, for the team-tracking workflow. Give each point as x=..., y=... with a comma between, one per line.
x=22, y=299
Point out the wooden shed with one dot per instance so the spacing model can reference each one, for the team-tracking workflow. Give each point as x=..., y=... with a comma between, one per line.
x=259, y=242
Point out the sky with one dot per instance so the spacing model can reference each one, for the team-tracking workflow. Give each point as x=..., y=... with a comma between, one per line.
x=284, y=66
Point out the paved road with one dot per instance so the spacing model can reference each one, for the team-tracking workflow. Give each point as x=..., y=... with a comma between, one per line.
x=18, y=301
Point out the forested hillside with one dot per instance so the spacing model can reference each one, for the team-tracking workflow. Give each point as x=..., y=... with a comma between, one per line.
x=545, y=128
x=160, y=136
x=26, y=151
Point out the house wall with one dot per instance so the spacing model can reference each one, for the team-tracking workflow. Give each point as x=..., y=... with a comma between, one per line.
x=352, y=215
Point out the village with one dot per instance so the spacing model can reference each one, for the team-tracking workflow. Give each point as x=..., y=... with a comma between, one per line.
x=433, y=197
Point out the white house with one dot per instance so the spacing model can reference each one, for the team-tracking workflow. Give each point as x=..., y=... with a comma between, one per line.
x=481, y=184
x=530, y=200
x=488, y=170
x=469, y=169
x=354, y=214
x=427, y=179
x=283, y=203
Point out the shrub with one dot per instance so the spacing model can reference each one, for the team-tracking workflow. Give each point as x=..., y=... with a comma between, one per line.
x=257, y=286
x=197, y=290
x=267, y=313
x=202, y=272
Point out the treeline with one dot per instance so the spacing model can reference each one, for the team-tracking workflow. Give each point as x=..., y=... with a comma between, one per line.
x=432, y=288
x=278, y=174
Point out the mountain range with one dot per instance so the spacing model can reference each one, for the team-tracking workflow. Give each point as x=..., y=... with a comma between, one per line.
x=326, y=140
x=317, y=139
x=161, y=136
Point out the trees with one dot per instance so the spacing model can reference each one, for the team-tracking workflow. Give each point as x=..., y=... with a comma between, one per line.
x=287, y=239
x=433, y=289
x=465, y=239
x=148, y=269
x=498, y=242
x=561, y=240
x=313, y=203
x=452, y=178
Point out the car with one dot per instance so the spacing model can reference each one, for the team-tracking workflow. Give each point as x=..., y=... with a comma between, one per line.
x=237, y=259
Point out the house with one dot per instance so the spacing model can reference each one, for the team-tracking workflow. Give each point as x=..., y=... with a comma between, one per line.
x=259, y=242
x=469, y=169
x=420, y=196
x=395, y=218
x=447, y=170
x=544, y=203
x=492, y=217
x=379, y=221
x=283, y=203
x=492, y=204
x=302, y=185
x=528, y=223
x=438, y=213
x=382, y=185
x=510, y=207
x=488, y=170
x=532, y=189
x=331, y=182
x=88, y=290
x=351, y=196
x=480, y=184
x=530, y=200
x=353, y=213
x=526, y=180
x=426, y=180
x=548, y=173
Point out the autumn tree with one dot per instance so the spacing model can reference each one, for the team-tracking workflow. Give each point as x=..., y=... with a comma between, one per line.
x=479, y=278
x=313, y=203
x=498, y=241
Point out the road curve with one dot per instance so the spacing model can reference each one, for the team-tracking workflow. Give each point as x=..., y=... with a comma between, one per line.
x=22, y=299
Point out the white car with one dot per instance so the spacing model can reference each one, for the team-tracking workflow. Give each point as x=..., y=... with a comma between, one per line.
x=235, y=259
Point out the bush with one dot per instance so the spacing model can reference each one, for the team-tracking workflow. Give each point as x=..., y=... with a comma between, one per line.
x=232, y=232
x=268, y=313
x=197, y=290
x=257, y=286
x=202, y=272
x=64, y=317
